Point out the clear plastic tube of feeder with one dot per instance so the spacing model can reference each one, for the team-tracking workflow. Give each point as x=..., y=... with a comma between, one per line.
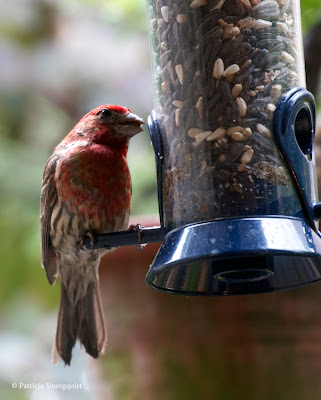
x=220, y=68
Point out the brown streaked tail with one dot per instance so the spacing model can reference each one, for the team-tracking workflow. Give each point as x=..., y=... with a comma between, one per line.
x=84, y=321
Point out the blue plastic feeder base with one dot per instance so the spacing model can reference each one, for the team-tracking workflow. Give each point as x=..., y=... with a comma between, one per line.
x=237, y=256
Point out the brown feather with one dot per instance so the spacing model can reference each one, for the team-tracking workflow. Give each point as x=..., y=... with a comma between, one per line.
x=48, y=200
x=66, y=335
x=85, y=321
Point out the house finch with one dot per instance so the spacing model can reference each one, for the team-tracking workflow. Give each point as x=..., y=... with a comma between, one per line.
x=86, y=189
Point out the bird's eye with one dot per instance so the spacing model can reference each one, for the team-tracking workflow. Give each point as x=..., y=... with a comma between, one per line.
x=105, y=112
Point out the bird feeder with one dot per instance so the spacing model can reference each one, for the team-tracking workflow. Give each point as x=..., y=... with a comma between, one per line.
x=233, y=130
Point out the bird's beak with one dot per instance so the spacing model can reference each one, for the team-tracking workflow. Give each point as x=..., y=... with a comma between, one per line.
x=130, y=125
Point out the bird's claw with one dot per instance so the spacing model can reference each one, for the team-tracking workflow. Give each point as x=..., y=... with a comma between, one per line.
x=91, y=235
x=139, y=229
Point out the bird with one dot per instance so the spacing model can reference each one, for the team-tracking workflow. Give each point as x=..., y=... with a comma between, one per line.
x=86, y=190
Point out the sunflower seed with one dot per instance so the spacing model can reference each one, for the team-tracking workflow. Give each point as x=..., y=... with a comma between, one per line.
x=247, y=132
x=200, y=106
x=171, y=71
x=218, y=68
x=283, y=27
x=245, y=65
x=226, y=115
x=177, y=119
x=180, y=72
x=293, y=75
x=268, y=9
x=286, y=57
x=238, y=136
x=221, y=142
x=199, y=83
x=165, y=57
x=237, y=89
x=235, y=31
x=289, y=21
x=164, y=86
x=217, y=134
x=270, y=108
x=247, y=156
x=181, y=18
x=200, y=137
x=163, y=45
x=178, y=103
x=264, y=131
x=252, y=93
x=164, y=11
x=236, y=115
x=198, y=3
x=231, y=70
x=241, y=105
x=193, y=132
x=233, y=129
x=224, y=86
x=261, y=24
x=276, y=91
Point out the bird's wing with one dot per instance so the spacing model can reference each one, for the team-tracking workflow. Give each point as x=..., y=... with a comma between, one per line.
x=48, y=200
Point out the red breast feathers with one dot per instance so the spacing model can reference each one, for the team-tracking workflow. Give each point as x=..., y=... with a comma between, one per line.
x=92, y=176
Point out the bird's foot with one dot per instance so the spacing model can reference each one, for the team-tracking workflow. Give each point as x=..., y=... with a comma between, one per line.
x=91, y=235
x=139, y=230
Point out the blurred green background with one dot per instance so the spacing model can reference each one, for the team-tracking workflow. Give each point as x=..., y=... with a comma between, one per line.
x=59, y=59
